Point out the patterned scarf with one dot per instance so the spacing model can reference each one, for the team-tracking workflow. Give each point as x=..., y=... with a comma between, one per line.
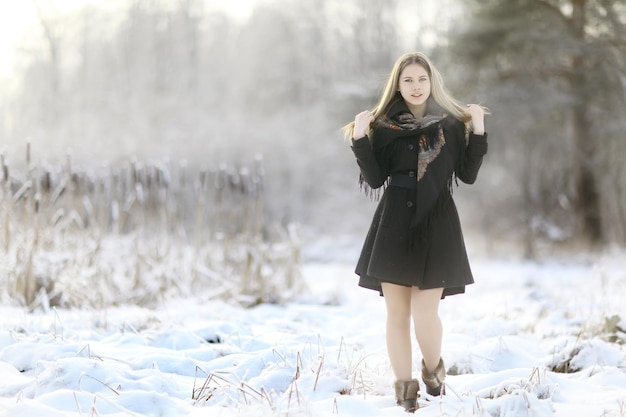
x=430, y=141
x=406, y=121
x=429, y=130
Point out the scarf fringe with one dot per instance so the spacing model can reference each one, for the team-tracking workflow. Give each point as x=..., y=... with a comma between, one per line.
x=422, y=232
x=373, y=194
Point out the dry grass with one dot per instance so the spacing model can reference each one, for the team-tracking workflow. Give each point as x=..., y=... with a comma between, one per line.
x=139, y=232
x=308, y=368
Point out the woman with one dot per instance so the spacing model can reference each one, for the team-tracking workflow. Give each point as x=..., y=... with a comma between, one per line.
x=415, y=143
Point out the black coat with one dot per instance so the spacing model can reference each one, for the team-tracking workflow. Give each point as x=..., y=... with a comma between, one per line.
x=415, y=238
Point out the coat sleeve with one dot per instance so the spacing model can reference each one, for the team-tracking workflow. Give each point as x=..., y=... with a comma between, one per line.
x=372, y=171
x=472, y=158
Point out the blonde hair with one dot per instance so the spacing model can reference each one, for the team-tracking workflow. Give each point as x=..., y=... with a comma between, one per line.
x=438, y=90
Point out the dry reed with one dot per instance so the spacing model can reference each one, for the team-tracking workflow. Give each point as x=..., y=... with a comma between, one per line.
x=137, y=232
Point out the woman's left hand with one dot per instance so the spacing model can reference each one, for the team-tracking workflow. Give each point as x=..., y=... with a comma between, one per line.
x=477, y=114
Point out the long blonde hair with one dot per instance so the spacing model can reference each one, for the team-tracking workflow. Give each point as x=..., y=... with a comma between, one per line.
x=438, y=90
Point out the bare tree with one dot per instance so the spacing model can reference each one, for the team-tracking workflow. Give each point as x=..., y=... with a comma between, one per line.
x=163, y=79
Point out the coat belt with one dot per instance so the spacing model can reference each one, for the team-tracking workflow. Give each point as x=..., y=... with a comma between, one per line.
x=404, y=181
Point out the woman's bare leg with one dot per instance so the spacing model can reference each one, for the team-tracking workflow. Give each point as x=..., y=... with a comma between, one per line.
x=427, y=324
x=398, y=301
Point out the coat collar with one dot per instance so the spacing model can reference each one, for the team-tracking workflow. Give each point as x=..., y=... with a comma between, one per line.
x=397, y=107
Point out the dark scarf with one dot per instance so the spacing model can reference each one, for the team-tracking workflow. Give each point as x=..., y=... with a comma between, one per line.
x=399, y=122
x=431, y=137
x=406, y=121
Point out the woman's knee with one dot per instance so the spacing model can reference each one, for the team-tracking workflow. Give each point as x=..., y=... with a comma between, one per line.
x=399, y=311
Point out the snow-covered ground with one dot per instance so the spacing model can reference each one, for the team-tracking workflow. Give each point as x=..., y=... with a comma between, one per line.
x=324, y=353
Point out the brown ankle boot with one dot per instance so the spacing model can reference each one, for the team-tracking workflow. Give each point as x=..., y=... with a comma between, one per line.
x=406, y=394
x=434, y=380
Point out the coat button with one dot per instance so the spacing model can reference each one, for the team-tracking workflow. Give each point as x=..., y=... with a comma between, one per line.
x=409, y=204
x=411, y=147
x=411, y=174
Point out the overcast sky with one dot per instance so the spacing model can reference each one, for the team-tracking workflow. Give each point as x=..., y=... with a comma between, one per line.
x=18, y=19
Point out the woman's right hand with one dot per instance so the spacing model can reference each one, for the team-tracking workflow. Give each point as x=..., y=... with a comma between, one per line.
x=362, y=123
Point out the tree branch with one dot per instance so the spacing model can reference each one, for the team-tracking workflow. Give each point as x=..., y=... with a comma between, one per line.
x=549, y=5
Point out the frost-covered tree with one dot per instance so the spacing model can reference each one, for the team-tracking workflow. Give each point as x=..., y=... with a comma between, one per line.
x=555, y=71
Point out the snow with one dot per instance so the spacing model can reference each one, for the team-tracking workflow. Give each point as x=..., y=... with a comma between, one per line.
x=323, y=354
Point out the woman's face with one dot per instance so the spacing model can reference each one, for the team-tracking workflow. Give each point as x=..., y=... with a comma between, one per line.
x=414, y=85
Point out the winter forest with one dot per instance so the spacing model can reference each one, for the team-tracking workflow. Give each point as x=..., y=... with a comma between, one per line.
x=184, y=82
x=180, y=213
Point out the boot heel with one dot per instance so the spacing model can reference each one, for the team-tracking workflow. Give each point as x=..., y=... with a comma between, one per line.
x=434, y=380
x=407, y=393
